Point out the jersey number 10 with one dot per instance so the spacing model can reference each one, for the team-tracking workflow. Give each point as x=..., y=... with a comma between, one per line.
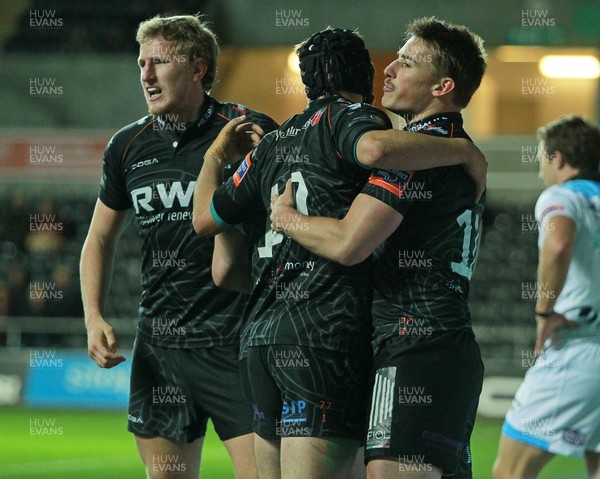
x=273, y=238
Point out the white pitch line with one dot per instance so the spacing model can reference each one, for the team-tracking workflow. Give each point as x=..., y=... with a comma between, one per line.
x=66, y=465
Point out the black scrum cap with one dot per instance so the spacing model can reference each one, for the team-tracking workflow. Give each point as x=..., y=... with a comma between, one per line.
x=333, y=60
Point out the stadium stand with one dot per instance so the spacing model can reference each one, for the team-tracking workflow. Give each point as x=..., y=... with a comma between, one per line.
x=91, y=28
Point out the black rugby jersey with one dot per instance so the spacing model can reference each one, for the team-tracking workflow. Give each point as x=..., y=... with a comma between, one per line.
x=152, y=166
x=299, y=297
x=422, y=271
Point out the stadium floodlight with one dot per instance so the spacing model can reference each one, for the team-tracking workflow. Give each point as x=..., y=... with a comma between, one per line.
x=570, y=66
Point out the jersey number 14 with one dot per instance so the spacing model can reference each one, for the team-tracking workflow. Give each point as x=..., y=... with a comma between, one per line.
x=470, y=225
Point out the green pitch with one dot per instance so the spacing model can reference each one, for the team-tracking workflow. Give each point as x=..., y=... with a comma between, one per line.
x=53, y=444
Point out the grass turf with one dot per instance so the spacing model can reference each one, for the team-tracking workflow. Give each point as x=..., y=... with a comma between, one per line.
x=66, y=444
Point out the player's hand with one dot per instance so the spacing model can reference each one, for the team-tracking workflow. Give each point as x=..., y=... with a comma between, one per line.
x=476, y=167
x=547, y=327
x=102, y=344
x=235, y=140
x=282, y=205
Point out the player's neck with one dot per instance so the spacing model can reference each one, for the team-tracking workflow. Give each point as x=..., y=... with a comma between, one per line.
x=192, y=114
x=566, y=173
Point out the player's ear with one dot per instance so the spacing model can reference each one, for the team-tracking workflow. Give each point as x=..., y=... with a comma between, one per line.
x=199, y=68
x=444, y=86
x=558, y=158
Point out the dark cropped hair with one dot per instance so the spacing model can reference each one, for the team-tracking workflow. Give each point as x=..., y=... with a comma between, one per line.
x=457, y=53
x=577, y=140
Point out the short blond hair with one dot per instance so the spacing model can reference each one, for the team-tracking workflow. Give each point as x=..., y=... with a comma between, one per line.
x=192, y=36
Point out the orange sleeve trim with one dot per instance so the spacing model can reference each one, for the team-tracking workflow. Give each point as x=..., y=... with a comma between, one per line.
x=384, y=184
x=223, y=116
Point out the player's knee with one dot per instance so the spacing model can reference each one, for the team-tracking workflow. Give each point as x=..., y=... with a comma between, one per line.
x=151, y=474
x=154, y=473
x=378, y=469
x=169, y=466
x=418, y=471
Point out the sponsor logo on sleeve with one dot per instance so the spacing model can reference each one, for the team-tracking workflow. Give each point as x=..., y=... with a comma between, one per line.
x=548, y=210
x=238, y=176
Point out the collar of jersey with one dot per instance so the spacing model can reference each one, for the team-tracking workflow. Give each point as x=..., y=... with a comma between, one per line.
x=586, y=175
x=206, y=114
x=436, y=119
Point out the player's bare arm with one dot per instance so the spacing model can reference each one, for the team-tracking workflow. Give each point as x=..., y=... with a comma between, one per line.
x=347, y=241
x=233, y=142
x=231, y=268
x=555, y=258
x=403, y=150
x=97, y=258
